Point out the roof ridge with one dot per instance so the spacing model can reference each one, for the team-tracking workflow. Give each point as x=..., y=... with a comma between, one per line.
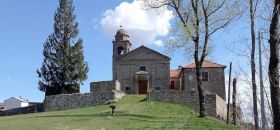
x=206, y=64
x=143, y=46
x=19, y=98
x=213, y=62
x=174, y=73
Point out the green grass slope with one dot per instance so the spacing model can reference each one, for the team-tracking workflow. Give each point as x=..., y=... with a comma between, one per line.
x=133, y=113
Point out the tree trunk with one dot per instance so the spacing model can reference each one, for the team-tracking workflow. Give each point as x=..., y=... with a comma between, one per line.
x=200, y=93
x=234, y=114
x=198, y=62
x=253, y=65
x=274, y=65
x=263, y=118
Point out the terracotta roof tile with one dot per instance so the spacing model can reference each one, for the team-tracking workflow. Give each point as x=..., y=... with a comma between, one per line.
x=174, y=73
x=206, y=64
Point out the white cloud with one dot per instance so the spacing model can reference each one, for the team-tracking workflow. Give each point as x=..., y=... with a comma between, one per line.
x=143, y=26
x=159, y=43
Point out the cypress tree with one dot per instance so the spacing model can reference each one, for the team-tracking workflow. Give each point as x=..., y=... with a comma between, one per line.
x=63, y=69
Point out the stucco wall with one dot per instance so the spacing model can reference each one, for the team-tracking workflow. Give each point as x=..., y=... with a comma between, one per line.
x=216, y=83
x=176, y=82
x=105, y=86
x=215, y=106
x=68, y=101
x=221, y=108
x=12, y=103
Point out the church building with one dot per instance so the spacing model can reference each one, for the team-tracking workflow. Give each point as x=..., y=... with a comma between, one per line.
x=138, y=69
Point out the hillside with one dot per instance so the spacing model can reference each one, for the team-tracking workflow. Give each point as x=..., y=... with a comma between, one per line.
x=133, y=113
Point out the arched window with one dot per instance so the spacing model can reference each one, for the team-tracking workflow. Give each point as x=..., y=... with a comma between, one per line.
x=120, y=50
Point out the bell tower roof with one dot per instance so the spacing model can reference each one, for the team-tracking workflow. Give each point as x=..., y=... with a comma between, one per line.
x=122, y=32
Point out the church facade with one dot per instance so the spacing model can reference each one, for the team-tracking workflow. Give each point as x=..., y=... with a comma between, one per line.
x=138, y=69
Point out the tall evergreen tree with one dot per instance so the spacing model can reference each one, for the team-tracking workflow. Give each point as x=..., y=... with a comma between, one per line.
x=64, y=68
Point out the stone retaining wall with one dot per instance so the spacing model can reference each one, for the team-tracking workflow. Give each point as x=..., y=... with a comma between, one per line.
x=105, y=86
x=69, y=101
x=23, y=110
x=215, y=105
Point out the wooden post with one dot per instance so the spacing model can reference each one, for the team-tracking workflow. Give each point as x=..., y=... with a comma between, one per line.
x=149, y=90
x=234, y=114
x=228, y=105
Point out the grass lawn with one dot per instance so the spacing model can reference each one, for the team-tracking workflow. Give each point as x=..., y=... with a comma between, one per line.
x=133, y=113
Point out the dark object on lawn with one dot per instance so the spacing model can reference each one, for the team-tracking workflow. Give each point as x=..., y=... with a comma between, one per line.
x=110, y=102
x=113, y=107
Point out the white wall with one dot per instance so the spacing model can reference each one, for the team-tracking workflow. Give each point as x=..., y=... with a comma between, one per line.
x=12, y=103
x=24, y=104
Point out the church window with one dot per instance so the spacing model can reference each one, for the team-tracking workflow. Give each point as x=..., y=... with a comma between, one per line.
x=204, y=75
x=120, y=50
x=142, y=68
x=119, y=39
x=172, y=85
x=157, y=88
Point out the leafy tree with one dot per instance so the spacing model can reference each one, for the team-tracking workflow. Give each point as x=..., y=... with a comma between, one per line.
x=198, y=21
x=64, y=68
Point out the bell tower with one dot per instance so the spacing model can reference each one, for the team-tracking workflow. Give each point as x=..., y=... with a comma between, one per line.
x=121, y=46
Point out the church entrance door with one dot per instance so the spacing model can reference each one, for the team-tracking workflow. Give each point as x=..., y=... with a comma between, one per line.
x=143, y=85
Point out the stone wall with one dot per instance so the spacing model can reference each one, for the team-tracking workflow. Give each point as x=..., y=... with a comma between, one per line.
x=69, y=101
x=215, y=106
x=23, y=110
x=105, y=86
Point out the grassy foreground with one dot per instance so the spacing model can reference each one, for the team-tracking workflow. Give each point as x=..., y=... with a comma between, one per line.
x=133, y=113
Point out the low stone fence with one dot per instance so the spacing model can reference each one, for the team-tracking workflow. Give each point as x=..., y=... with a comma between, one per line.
x=23, y=110
x=69, y=101
x=105, y=86
x=215, y=105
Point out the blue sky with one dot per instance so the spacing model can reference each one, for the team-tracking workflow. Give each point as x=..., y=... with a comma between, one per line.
x=25, y=25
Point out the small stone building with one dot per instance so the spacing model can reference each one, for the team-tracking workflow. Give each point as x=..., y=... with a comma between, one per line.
x=140, y=68
x=212, y=75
